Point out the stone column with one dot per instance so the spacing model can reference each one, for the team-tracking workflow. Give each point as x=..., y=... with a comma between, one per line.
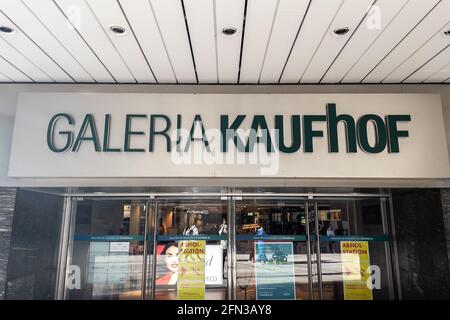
x=7, y=205
x=445, y=199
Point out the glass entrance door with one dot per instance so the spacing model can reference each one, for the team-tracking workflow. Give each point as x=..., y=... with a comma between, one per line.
x=229, y=248
x=191, y=260
x=272, y=250
x=107, y=248
x=350, y=250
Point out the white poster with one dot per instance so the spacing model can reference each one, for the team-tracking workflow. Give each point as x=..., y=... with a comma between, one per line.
x=119, y=247
x=214, y=265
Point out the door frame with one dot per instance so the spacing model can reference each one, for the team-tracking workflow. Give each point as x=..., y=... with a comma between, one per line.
x=153, y=199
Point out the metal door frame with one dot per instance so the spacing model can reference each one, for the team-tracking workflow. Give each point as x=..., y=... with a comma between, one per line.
x=156, y=201
x=152, y=201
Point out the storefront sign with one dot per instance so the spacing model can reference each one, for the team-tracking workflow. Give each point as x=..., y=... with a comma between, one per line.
x=386, y=135
x=188, y=135
x=355, y=263
x=274, y=269
x=191, y=270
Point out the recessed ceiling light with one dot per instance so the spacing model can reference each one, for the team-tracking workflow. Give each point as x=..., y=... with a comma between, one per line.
x=341, y=31
x=6, y=29
x=118, y=30
x=229, y=31
x=447, y=33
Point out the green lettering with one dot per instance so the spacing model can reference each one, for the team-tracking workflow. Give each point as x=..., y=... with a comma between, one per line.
x=229, y=132
x=309, y=132
x=350, y=130
x=197, y=119
x=51, y=132
x=129, y=133
x=107, y=134
x=259, y=124
x=88, y=122
x=380, y=133
x=394, y=133
x=163, y=132
x=295, y=136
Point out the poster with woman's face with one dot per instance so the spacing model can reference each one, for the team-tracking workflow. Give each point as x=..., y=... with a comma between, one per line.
x=168, y=265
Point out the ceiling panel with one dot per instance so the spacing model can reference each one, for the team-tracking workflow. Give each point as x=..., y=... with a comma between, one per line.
x=444, y=73
x=258, y=28
x=416, y=49
x=30, y=50
x=170, y=17
x=86, y=23
x=31, y=26
x=182, y=41
x=51, y=16
x=317, y=21
x=142, y=20
x=436, y=44
x=350, y=15
x=229, y=13
x=22, y=63
x=125, y=43
x=290, y=15
x=377, y=19
x=405, y=21
x=12, y=72
x=200, y=16
x=4, y=78
x=436, y=70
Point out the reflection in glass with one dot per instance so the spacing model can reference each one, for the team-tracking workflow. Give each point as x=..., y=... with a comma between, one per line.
x=107, y=250
x=179, y=221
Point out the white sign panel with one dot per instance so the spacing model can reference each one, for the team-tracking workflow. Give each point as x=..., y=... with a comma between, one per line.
x=214, y=264
x=119, y=247
x=77, y=135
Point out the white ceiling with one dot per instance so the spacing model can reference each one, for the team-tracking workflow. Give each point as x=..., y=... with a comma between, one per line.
x=181, y=41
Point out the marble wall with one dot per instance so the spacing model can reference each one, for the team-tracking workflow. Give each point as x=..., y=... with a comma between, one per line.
x=421, y=243
x=7, y=204
x=445, y=199
x=32, y=265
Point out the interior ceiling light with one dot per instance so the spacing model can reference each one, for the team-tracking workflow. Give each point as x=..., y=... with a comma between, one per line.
x=447, y=33
x=118, y=30
x=6, y=29
x=229, y=31
x=341, y=31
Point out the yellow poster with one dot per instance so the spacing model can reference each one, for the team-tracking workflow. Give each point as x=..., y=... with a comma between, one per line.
x=355, y=264
x=191, y=270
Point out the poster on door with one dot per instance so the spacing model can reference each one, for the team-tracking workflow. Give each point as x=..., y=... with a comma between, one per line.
x=274, y=270
x=191, y=270
x=355, y=261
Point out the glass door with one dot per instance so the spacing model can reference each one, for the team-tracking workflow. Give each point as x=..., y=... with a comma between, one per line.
x=272, y=251
x=106, y=251
x=350, y=250
x=229, y=248
x=191, y=247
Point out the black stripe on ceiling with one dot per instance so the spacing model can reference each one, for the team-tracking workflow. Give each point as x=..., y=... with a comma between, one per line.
x=189, y=38
x=348, y=40
x=242, y=41
x=137, y=41
x=395, y=47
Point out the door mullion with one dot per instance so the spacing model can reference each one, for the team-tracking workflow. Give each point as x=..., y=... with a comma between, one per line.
x=153, y=269
x=308, y=252
x=318, y=255
x=144, y=256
